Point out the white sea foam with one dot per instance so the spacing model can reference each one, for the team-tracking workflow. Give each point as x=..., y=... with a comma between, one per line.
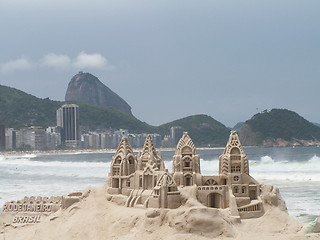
x=267, y=160
x=27, y=162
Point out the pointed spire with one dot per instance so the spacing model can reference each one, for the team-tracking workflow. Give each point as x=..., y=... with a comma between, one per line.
x=124, y=147
x=186, y=141
x=149, y=155
x=233, y=142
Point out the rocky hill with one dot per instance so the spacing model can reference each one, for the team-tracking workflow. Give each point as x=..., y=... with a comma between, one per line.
x=279, y=127
x=84, y=87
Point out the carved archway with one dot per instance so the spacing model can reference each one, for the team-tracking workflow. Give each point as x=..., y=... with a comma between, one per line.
x=214, y=200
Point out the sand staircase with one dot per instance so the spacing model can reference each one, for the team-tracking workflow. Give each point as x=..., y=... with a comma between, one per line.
x=134, y=198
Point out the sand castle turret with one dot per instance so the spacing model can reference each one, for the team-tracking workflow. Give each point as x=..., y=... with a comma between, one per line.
x=186, y=163
x=124, y=163
x=233, y=159
x=149, y=156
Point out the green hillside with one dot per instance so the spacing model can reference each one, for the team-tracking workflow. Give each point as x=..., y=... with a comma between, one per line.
x=278, y=124
x=203, y=129
x=19, y=109
x=105, y=117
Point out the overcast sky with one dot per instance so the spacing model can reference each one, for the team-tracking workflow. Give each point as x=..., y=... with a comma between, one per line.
x=169, y=59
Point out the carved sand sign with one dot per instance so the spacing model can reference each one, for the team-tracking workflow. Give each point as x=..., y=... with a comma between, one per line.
x=26, y=219
x=30, y=210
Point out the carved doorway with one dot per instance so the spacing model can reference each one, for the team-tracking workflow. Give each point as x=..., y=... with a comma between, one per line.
x=148, y=182
x=115, y=182
x=214, y=200
x=188, y=180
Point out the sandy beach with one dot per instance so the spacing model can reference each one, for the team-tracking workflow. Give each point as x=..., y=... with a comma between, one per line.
x=99, y=215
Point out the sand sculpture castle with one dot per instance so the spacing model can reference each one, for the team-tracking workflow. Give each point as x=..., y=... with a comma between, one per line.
x=146, y=182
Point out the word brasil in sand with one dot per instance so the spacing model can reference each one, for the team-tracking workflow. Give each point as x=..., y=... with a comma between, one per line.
x=30, y=210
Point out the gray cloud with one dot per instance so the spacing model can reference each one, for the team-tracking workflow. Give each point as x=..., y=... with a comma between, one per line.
x=20, y=64
x=92, y=61
x=56, y=60
x=59, y=61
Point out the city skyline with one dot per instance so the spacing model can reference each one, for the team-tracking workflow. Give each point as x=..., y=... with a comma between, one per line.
x=228, y=60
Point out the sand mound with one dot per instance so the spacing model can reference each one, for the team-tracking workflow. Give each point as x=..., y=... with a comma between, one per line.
x=96, y=217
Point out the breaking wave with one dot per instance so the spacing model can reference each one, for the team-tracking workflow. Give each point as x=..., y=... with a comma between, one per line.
x=266, y=169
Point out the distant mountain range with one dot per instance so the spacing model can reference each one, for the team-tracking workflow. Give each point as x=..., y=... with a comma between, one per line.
x=277, y=127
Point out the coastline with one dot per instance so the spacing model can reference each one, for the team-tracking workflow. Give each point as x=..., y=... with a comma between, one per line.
x=75, y=151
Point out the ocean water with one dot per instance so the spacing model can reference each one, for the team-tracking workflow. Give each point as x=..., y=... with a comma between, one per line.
x=295, y=171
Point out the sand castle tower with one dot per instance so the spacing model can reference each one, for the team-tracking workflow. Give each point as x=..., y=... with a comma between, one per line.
x=124, y=163
x=165, y=194
x=150, y=164
x=233, y=165
x=149, y=156
x=186, y=163
x=233, y=159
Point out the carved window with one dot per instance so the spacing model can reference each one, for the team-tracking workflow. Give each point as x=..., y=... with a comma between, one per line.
x=140, y=182
x=187, y=164
x=118, y=160
x=236, y=178
x=131, y=161
x=235, y=151
x=235, y=190
x=128, y=183
x=116, y=171
x=210, y=182
x=244, y=190
x=155, y=181
x=235, y=168
x=235, y=154
x=235, y=157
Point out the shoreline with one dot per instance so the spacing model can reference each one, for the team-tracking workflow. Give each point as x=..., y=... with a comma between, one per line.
x=76, y=151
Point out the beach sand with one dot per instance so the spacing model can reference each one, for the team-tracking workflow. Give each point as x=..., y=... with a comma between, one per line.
x=102, y=216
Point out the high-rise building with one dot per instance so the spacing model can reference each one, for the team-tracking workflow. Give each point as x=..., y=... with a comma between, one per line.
x=176, y=134
x=11, y=139
x=2, y=137
x=68, y=120
x=32, y=137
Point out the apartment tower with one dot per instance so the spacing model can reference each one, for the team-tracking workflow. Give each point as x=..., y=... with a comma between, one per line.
x=2, y=137
x=68, y=120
